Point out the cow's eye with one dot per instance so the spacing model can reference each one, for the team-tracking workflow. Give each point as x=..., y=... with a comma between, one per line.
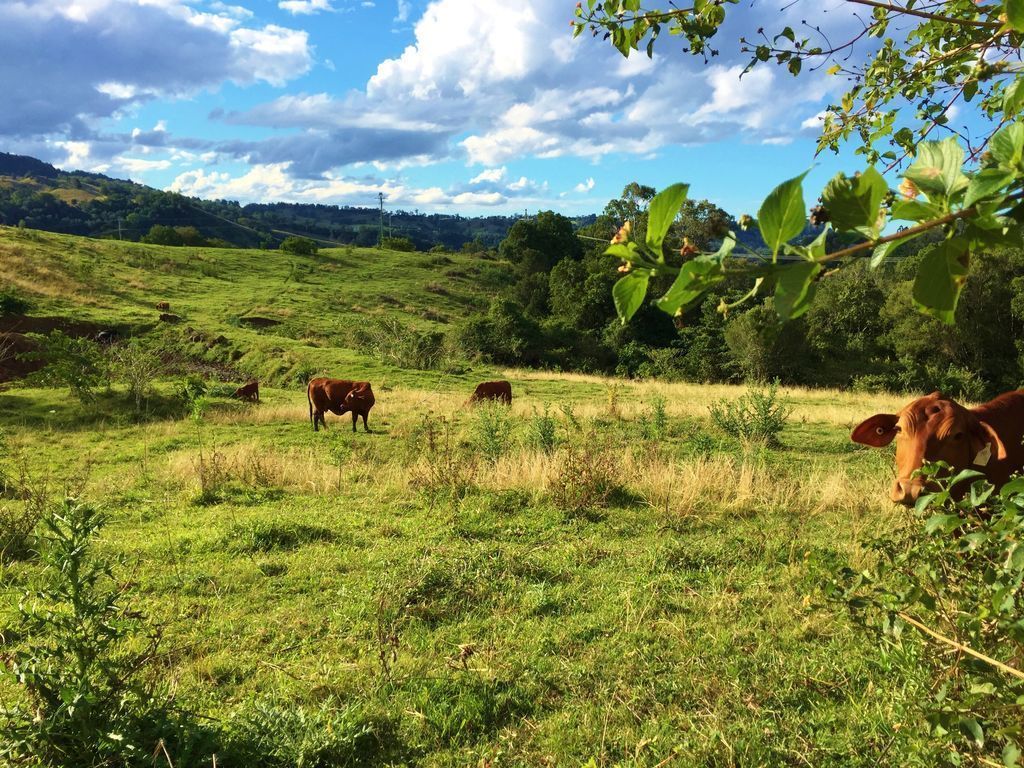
x=958, y=435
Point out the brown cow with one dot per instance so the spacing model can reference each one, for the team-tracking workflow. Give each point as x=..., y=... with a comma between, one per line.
x=934, y=428
x=164, y=306
x=340, y=397
x=249, y=391
x=492, y=390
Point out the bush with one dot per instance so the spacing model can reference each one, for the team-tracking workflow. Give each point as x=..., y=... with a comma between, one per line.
x=398, y=244
x=13, y=303
x=299, y=246
x=443, y=472
x=757, y=416
x=946, y=590
x=492, y=430
x=587, y=477
x=543, y=434
x=78, y=364
x=137, y=366
x=264, y=536
x=80, y=661
x=391, y=341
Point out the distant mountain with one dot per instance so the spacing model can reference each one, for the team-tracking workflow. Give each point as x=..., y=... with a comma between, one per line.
x=81, y=203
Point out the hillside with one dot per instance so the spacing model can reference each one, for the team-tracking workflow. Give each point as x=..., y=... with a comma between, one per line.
x=82, y=203
x=266, y=313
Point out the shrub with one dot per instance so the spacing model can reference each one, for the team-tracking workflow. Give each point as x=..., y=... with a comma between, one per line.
x=78, y=364
x=391, y=341
x=299, y=246
x=137, y=366
x=443, y=471
x=946, y=590
x=80, y=662
x=543, y=434
x=398, y=244
x=587, y=477
x=757, y=416
x=12, y=302
x=492, y=430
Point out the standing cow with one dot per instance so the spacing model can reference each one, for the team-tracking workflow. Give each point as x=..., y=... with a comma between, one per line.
x=492, y=390
x=339, y=396
x=934, y=428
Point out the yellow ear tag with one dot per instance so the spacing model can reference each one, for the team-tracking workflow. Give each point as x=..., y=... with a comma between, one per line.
x=983, y=455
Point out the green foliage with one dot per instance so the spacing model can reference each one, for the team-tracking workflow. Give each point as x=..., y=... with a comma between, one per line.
x=492, y=429
x=760, y=415
x=300, y=246
x=79, y=666
x=543, y=434
x=762, y=348
x=536, y=244
x=587, y=476
x=12, y=302
x=268, y=536
x=137, y=365
x=403, y=244
x=75, y=363
x=956, y=570
x=402, y=345
x=275, y=734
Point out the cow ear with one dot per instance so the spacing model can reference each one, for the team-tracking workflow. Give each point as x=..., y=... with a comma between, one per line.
x=878, y=431
x=985, y=444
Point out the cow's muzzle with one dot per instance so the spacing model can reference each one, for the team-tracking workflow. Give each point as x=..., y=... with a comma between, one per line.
x=905, y=492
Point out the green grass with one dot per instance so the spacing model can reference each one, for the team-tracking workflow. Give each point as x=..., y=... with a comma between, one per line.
x=320, y=607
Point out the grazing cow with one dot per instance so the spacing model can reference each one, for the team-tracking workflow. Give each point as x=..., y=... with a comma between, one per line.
x=340, y=397
x=168, y=317
x=249, y=391
x=934, y=428
x=106, y=337
x=163, y=306
x=492, y=390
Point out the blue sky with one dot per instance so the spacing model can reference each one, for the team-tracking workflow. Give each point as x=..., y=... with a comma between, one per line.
x=468, y=106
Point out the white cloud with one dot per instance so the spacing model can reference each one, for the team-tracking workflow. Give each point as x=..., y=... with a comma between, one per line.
x=305, y=7
x=585, y=186
x=404, y=8
x=490, y=174
x=114, y=54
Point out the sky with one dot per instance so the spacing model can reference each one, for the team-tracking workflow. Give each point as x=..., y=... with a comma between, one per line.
x=474, y=107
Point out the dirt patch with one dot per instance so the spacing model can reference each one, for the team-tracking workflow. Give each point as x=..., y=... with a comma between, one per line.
x=12, y=345
x=259, y=322
x=26, y=324
x=14, y=342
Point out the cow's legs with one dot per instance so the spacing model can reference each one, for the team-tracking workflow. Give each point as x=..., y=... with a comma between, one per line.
x=365, y=425
x=355, y=420
x=318, y=418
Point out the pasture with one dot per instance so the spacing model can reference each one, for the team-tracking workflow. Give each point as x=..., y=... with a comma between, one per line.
x=595, y=576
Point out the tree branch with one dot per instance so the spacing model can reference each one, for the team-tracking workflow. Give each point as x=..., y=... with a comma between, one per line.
x=925, y=15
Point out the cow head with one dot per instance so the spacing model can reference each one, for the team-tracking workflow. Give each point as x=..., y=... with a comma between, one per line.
x=360, y=398
x=932, y=429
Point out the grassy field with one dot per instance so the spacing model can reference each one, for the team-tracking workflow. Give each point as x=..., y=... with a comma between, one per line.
x=440, y=591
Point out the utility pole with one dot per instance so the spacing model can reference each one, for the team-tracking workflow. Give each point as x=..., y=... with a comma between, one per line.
x=380, y=241
x=118, y=227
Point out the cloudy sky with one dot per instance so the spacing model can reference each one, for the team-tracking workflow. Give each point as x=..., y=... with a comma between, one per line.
x=469, y=106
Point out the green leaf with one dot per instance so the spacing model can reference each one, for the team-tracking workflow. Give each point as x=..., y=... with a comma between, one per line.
x=986, y=183
x=662, y=212
x=882, y=252
x=854, y=204
x=942, y=524
x=1015, y=14
x=695, y=277
x=624, y=251
x=1013, y=98
x=940, y=278
x=794, y=288
x=782, y=215
x=937, y=169
x=915, y=210
x=971, y=728
x=1008, y=145
x=628, y=293
x=1011, y=755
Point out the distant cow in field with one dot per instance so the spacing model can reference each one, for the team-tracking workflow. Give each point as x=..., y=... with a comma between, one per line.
x=106, y=337
x=987, y=438
x=249, y=391
x=167, y=317
x=339, y=396
x=163, y=306
x=492, y=390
